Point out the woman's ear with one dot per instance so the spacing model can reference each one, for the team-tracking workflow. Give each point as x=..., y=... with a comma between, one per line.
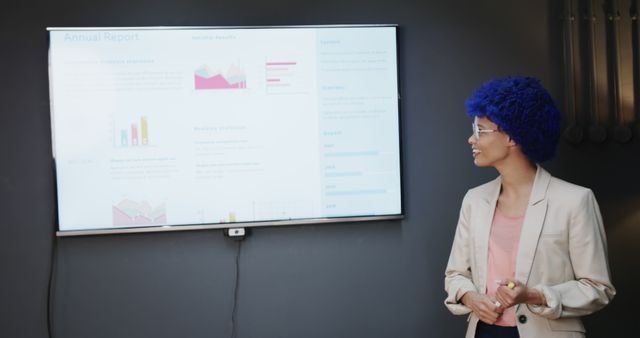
x=512, y=143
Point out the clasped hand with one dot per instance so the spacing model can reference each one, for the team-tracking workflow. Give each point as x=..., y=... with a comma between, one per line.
x=511, y=293
x=488, y=309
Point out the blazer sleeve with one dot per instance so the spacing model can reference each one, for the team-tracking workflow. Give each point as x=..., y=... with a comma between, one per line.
x=458, y=279
x=591, y=289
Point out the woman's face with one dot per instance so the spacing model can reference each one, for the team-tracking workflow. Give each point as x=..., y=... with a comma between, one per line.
x=489, y=145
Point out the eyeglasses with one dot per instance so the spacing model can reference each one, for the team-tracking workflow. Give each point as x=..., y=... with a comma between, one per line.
x=477, y=131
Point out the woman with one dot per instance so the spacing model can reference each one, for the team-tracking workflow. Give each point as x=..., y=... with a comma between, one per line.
x=529, y=255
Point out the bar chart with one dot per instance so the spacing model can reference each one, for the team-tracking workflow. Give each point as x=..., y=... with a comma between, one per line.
x=131, y=132
x=283, y=77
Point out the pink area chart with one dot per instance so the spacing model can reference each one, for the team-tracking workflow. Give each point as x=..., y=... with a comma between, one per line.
x=205, y=78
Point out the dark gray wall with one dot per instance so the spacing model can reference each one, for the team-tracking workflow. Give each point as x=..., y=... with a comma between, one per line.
x=378, y=279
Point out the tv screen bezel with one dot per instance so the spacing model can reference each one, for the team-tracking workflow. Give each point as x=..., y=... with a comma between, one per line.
x=209, y=226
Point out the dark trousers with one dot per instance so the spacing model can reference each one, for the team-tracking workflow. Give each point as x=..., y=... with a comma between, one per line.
x=484, y=330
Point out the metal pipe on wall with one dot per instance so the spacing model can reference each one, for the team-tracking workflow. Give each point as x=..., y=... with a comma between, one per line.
x=635, y=52
x=596, y=132
x=621, y=132
x=574, y=133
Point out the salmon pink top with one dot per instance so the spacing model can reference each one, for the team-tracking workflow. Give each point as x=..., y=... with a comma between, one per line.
x=503, y=250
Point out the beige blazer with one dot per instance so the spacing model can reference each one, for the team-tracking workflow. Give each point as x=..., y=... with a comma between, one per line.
x=562, y=252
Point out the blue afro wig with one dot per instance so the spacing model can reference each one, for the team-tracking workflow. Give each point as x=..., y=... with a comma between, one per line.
x=524, y=110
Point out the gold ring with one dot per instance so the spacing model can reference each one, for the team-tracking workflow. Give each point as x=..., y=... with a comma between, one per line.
x=511, y=285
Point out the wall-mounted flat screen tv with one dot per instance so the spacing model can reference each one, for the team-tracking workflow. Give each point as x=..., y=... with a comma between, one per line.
x=176, y=128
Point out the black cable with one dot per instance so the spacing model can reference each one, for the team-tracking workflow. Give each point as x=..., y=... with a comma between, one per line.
x=234, y=312
x=51, y=285
x=53, y=266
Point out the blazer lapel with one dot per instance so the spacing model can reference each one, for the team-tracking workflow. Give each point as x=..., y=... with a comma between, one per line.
x=484, y=230
x=532, y=226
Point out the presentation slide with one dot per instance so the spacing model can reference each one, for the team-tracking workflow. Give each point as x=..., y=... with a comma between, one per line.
x=162, y=127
